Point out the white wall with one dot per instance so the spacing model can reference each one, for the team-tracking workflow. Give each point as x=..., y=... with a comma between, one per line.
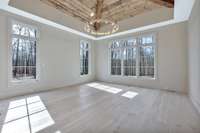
x=56, y=45
x=58, y=55
x=194, y=55
x=171, y=60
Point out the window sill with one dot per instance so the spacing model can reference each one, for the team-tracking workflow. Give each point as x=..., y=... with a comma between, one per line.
x=134, y=77
x=146, y=78
x=23, y=82
x=85, y=75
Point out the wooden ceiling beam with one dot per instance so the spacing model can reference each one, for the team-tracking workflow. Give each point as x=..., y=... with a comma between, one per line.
x=88, y=3
x=166, y=3
x=99, y=10
x=115, y=4
x=115, y=10
x=123, y=7
x=78, y=5
x=124, y=14
x=109, y=2
x=70, y=11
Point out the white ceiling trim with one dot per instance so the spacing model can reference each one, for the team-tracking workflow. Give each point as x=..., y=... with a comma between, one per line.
x=157, y=25
x=182, y=11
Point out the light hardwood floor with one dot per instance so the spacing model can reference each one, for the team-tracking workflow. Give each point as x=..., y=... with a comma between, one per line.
x=100, y=108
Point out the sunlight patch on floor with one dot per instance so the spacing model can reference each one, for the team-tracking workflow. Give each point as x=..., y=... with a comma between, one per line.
x=40, y=121
x=58, y=132
x=130, y=94
x=17, y=126
x=17, y=103
x=102, y=87
x=28, y=115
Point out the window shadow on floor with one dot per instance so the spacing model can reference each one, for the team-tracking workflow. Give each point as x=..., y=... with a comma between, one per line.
x=113, y=90
x=27, y=115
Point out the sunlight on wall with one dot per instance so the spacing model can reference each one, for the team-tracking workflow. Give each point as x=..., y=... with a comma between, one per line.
x=27, y=115
x=130, y=94
x=105, y=88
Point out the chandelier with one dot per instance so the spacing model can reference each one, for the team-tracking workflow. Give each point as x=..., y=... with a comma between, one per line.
x=89, y=27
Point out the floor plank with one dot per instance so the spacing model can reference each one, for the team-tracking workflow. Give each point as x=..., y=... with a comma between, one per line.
x=100, y=108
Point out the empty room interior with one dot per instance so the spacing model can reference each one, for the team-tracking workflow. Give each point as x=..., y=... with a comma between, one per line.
x=99, y=66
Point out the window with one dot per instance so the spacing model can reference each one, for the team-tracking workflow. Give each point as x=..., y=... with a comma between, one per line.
x=133, y=57
x=84, y=58
x=146, y=55
x=115, y=59
x=129, y=60
x=24, y=41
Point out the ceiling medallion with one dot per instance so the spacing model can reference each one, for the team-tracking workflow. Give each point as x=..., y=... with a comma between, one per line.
x=89, y=27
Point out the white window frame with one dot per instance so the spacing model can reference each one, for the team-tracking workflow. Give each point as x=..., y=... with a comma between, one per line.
x=137, y=58
x=110, y=50
x=89, y=58
x=11, y=80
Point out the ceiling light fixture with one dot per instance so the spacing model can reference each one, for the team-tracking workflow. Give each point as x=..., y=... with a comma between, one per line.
x=92, y=14
x=89, y=27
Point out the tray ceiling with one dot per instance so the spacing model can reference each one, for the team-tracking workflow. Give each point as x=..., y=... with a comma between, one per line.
x=151, y=12
x=115, y=10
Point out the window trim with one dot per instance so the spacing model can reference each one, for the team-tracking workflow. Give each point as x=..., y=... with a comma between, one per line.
x=89, y=58
x=137, y=58
x=24, y=81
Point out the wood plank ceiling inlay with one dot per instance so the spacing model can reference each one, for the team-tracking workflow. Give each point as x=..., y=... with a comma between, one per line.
x=115, y=10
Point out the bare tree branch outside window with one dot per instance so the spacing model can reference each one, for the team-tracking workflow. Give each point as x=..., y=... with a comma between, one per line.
x=24, y=43
x=84, y=58
x=133, y=57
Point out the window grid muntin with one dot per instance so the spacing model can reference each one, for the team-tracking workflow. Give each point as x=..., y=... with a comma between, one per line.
x=84, y=58
x=125, y=57
x=116, y=64
x=24, y=41
x=148, y=63
x=138, y=44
